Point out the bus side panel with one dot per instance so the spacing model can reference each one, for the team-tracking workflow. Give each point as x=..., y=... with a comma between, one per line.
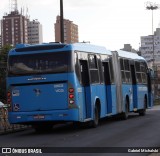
x=127, y=91
x=135, y=97
x=98, y=92
x=88, y=102
x=109, y=99
x=150, y=99
x=101, y=94
x=142, y=90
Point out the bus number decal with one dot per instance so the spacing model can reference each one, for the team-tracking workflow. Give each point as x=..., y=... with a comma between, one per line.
x=142, y=88
x=58, y=85
x=59, y=90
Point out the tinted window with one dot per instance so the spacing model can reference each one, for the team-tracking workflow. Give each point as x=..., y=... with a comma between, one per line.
x=121, y=64
x=94, y=73
x=125, y=70
x=111, y=70
x=77, y=66
x=100, y=69
x=141, y=72
x=138, y=69
x=39, y=63
x=92, y=62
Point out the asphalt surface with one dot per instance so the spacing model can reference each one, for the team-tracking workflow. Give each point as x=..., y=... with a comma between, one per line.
x=136, y=132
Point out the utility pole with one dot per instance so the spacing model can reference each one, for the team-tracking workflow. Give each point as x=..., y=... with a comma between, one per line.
x=61, y=22
x=153, y=6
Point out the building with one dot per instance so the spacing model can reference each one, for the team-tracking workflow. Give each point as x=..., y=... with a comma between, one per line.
x=147, y=48
x=34, y=32
x=128, y=47
x=150, y=53
x=0, y=43
x=0, y=38
x=70, y=31
x=14, y=28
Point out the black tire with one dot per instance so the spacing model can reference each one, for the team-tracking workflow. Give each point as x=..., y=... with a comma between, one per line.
x=126, y=113
x=142, y=112
x=95, y=121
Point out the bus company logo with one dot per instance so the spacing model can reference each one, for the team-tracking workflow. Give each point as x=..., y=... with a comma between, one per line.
x=15, y=93
x=37, y=91
x=6, y=150
x=36, y=78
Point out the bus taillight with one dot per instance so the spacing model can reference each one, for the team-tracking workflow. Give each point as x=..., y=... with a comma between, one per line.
x=9, y=101
x=71, y=90
x=71, y=97
x=9, y=97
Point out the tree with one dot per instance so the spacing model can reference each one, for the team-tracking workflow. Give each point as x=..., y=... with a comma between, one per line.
x=4, y=52
x=3, y=67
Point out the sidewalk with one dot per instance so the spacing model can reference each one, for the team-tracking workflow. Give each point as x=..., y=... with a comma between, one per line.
x=5, y=126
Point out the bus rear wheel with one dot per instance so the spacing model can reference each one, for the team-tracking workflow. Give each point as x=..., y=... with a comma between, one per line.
x=95, y=122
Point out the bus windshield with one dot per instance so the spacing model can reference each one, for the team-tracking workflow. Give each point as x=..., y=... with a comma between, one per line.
x=46, y=63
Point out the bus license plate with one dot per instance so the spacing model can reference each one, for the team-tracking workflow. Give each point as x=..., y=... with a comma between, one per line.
x=38, y=117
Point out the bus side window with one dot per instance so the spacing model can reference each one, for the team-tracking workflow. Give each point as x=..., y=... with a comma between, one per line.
x=122, y=71
x=127, y=71
x=84, y=72
x=144, y=72
x=111, y=70
x=138, y=72
x=93, y=68
x=106, y=73
x=100, y=69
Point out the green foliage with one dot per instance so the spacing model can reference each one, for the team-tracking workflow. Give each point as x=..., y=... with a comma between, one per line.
x=4, y=52
x=3, y=67
x=3, y=81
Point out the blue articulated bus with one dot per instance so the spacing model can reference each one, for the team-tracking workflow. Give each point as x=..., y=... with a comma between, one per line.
x=79, y=82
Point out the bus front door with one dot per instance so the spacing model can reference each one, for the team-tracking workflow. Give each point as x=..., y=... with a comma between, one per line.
x=150, y=98
x=87, y=89
x=107, y=81
x=134, y=86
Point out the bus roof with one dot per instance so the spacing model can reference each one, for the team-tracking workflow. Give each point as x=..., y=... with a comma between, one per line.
x=84, y=47
x=130, y=55
x=90, y=48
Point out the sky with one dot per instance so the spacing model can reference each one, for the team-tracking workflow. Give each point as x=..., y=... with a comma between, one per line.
x=110, y=23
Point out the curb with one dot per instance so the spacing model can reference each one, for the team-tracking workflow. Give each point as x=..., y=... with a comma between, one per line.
x=13, y=129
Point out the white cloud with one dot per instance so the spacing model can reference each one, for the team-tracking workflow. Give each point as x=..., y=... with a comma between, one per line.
x=85, y=3
x=106, y=22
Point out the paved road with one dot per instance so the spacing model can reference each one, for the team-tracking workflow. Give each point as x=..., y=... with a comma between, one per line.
x=137, y=131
